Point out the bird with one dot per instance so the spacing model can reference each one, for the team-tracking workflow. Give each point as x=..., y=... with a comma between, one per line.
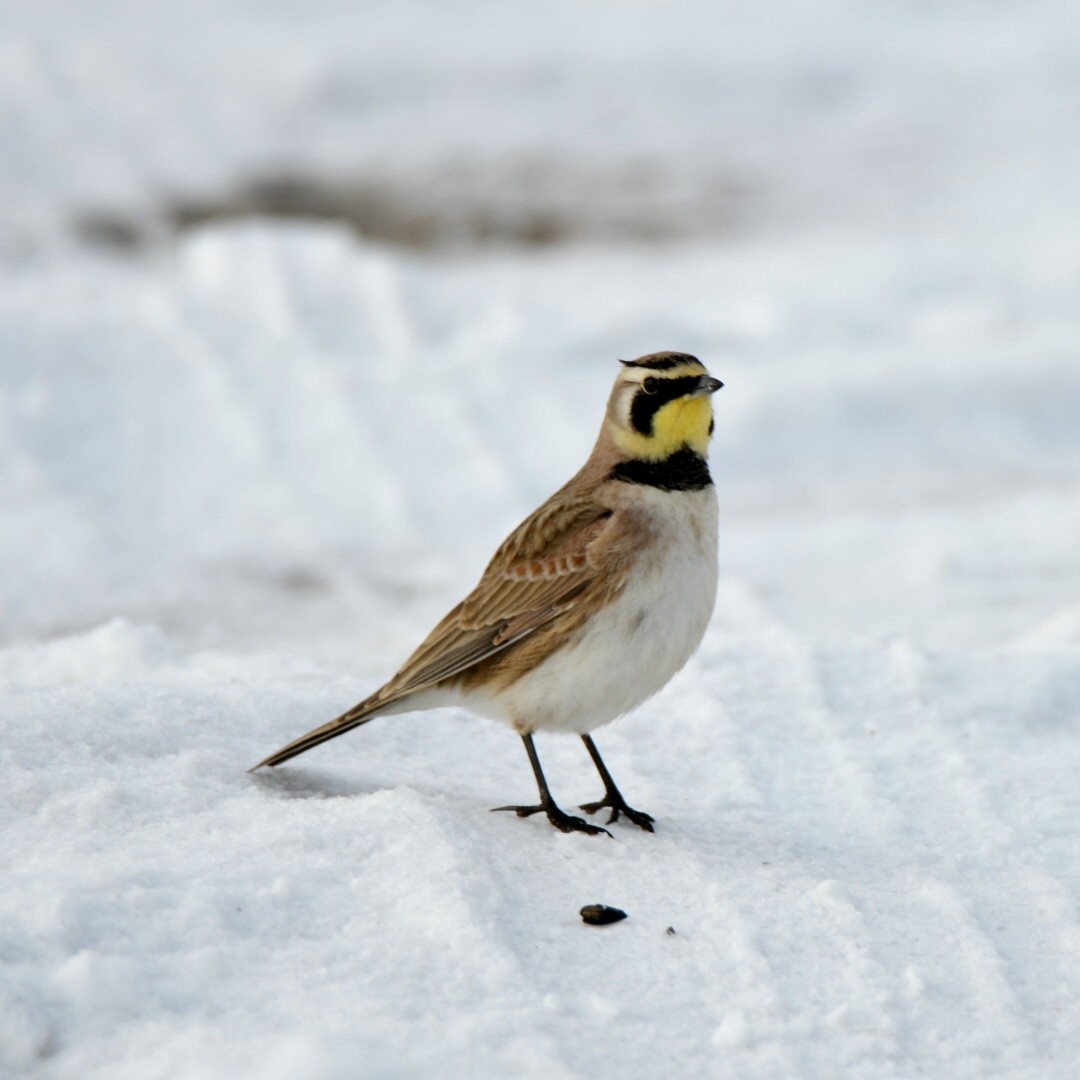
x=594, y=602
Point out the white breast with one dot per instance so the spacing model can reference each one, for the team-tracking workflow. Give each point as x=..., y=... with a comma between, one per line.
x=633, y=647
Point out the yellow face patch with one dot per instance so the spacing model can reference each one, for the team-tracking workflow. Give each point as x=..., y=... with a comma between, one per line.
x=684, y=422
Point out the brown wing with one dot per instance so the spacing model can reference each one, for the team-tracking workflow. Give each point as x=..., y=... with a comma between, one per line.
x=543, y=568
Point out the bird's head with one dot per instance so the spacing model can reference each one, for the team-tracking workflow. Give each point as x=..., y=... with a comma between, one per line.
x=661, y=404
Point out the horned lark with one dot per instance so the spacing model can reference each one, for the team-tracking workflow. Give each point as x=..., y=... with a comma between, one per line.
x=594, y=601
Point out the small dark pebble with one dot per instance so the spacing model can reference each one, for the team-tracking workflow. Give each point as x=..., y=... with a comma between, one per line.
x=601, y=914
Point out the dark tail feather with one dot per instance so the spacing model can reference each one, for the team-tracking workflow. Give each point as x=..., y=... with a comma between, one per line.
x=359, y=714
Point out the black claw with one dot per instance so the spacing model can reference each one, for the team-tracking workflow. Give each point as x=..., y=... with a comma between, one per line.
x=618, y=806
x=560, y=819
x=613, y=799
x=521, y=811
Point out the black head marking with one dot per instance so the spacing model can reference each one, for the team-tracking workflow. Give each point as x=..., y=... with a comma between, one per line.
x=647, y=403
x=661, y=361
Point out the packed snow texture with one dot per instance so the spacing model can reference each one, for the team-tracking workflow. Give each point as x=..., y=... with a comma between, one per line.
x=244, y=469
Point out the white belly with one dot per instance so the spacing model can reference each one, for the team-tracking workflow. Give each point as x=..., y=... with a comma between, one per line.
x=632, y=648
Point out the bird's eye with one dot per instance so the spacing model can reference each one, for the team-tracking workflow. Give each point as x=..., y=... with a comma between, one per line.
x=650, y=385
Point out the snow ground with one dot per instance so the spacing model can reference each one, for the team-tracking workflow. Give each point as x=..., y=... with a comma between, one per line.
x=244, y=470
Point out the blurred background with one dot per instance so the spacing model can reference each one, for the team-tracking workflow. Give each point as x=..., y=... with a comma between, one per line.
x=302, y=306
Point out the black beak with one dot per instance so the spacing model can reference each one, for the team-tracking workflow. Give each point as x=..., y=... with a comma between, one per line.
x=707, y=385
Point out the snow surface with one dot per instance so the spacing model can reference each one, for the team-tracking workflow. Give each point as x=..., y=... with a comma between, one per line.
x=245, y=469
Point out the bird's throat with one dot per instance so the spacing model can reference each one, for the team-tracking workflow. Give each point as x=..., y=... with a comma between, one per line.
x=685, y=423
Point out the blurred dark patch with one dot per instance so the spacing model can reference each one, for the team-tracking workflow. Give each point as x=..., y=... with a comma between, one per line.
x=410, y=218
x=526, y=205
x=111, y=231
x=305, y=580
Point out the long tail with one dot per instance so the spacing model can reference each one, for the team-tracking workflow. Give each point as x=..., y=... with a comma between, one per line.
x=357, y=715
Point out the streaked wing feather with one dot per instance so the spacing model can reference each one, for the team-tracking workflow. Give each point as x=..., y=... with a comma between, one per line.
x=542, y=570
x=452, y=661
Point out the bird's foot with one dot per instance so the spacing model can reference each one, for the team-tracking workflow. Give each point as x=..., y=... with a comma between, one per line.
x=562, y=821
x=614, y=802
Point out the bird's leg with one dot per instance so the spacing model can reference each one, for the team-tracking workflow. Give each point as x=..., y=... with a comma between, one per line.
x=560, y=819
x=613, y=799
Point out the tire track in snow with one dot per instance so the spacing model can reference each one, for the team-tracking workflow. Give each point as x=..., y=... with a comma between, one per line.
x=902, y=998
x=949, y=878
x=807, y=757
x=1019, y=743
